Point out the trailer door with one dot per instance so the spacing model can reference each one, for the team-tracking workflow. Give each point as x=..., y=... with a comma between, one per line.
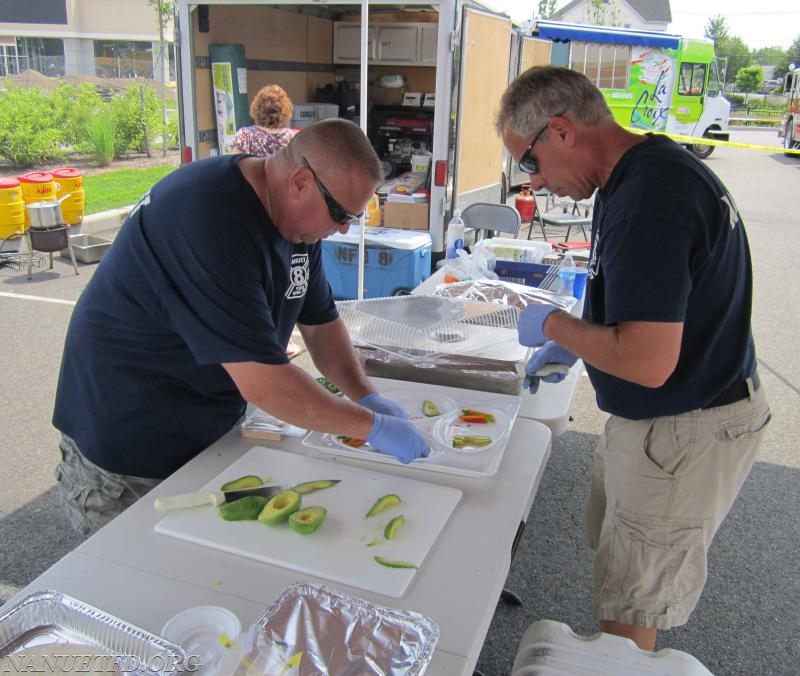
x=533, y=52
x=484, y=69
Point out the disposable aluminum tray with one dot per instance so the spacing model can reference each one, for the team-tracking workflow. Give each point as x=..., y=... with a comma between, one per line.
x=311, y=629
x=52, y=617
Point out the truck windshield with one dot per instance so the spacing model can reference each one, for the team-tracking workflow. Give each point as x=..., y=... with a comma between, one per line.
x=714, y=87
x=693, y=77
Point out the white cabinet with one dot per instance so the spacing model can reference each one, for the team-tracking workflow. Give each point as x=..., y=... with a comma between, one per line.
x=390, y=44
x=428, y=40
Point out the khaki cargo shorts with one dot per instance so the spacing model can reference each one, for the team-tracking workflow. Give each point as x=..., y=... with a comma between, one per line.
x=660, y=490
x=92, y=496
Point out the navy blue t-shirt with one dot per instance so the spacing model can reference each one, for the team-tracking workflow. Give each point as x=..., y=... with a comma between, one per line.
x=197, y=276
x=668, y=245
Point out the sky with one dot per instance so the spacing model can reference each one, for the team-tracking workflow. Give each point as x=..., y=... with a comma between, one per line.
x=760, y=23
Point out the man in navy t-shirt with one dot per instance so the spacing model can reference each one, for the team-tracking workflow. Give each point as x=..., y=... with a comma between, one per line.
x=665, y=338
x=188, y=317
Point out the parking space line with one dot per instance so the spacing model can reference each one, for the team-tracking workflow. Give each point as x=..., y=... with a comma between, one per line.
x=25, y=296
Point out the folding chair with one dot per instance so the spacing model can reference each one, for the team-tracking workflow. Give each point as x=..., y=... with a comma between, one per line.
x=48, y=240
x=493, y=218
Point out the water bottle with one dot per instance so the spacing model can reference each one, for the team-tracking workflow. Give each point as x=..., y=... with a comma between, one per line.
x=566, y=274
x=455, y=235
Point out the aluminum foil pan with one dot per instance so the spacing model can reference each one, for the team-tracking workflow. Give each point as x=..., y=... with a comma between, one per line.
x=52, y=617
x=311, y=629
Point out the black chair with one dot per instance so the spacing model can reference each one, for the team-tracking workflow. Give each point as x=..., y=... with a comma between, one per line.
x=49, y=240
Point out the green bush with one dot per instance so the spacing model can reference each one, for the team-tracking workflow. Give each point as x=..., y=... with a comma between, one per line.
x=137, y=116
x=102, y=135
x=28, y=134
x=73, y=108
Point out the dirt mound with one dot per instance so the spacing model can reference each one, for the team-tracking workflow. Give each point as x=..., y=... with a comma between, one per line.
x=31, y=79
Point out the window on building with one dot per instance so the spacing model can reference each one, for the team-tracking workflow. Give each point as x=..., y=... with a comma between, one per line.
x=44, y=55
x=121, y=58
x=605, y=65
x=692, y=80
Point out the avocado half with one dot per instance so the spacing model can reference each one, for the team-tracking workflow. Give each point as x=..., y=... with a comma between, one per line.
x=307, y=520
x=280, y=507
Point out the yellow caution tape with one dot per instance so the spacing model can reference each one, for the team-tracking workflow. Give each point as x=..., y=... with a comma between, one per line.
x=694, y=140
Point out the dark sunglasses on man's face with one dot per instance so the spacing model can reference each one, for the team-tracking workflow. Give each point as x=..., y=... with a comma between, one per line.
x=528, y=163
x=338, y=213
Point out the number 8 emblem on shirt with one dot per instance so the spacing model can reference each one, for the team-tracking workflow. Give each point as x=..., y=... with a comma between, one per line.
x=298, y=276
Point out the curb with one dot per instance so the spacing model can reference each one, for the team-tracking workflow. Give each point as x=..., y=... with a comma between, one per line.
x=104, y=221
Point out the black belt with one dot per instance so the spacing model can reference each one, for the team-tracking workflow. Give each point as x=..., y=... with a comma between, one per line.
x=735, y=392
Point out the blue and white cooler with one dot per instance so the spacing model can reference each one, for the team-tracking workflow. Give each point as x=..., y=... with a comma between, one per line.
x=396, y=261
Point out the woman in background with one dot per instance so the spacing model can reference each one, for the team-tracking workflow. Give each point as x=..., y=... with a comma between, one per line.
x=271, y=111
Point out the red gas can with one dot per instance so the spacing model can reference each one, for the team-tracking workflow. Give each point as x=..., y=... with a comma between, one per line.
x=526, y=205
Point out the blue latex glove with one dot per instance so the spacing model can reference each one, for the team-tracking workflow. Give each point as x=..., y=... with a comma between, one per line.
x=551, y=353
x=531, y=321
x=375, y=402
x=397, y=437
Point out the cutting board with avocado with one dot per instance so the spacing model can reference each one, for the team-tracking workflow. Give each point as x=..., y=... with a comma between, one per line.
x=345, y=546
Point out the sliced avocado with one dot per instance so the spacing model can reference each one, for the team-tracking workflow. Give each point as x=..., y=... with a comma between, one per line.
x=318, y=485
x=280, y=507
x=393, y=527
x=430, y=409
x=248, y=481
x=244, y=509
x=307, y=520
x=388, y=500
x=391, y=563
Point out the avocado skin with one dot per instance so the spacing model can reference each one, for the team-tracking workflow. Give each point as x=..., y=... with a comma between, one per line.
x=244, y=509
x=384, y=502
x=309, y=486
x=280, y=507
x=248, y=481
x=393, y=527
x=307, y=520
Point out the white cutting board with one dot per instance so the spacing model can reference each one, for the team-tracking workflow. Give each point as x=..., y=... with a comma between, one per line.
x=338, y=551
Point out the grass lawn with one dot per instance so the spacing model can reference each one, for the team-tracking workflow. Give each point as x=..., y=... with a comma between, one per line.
x=121, y=188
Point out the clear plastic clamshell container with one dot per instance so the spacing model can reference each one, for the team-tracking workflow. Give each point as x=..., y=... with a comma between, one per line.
x=443, y=341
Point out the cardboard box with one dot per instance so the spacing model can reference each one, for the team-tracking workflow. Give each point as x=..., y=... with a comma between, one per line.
x=405, y=216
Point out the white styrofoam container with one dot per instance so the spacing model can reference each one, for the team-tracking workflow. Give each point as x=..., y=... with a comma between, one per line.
x=550, y=648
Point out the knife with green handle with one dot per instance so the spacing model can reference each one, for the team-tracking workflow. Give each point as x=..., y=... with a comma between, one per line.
x=216, y=498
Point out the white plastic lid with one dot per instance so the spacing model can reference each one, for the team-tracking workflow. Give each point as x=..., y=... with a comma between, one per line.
x=389, y=237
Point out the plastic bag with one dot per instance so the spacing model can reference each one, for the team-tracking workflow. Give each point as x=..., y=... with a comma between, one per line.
x=477, y=265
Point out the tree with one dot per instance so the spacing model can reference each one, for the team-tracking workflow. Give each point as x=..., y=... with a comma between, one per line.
x=748, y=79
x=603, y=13
x=736, y=53
x=545, y=9
x=716, y=29
x=164, y=12
x=792, y=55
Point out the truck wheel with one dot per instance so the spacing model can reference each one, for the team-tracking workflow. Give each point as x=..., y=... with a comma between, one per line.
x=701, y=150
x=788, y=138
x=402, y=292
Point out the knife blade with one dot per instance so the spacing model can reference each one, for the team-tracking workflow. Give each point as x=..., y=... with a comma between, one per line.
x=216, y=498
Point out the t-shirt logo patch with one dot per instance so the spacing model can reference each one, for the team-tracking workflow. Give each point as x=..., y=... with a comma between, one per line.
x=298, y=276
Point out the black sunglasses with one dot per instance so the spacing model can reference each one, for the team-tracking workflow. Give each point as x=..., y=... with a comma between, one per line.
x=528, y=163
x=337, y=212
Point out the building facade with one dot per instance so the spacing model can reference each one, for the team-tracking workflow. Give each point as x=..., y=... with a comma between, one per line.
x=102, y=38
x=654, y=15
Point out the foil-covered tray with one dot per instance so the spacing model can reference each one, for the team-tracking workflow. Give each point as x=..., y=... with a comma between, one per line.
x=52, y=617
x=311, y=629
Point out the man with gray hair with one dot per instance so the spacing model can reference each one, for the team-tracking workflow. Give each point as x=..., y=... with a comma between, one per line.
x=665, y=337
x=188, y=316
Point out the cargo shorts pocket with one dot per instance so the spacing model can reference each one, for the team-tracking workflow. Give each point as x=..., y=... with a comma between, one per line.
x=657, y=565
x=90, y=501
x=745, y=425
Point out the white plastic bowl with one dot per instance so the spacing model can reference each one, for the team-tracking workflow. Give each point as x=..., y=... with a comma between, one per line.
x=199, y=630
